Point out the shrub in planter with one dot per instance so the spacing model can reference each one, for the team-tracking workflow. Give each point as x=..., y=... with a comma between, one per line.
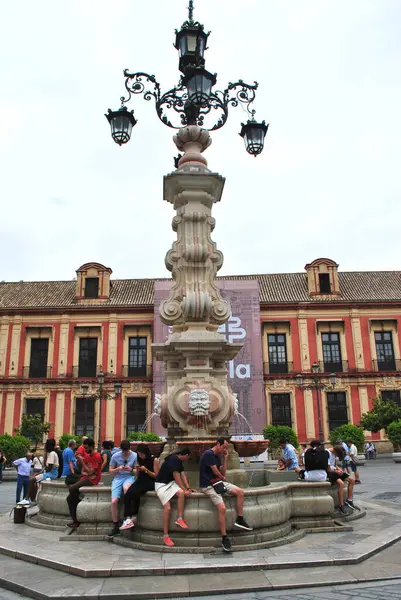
x=348, y=432
x=14, y=446
x=275, y=433
x=394, y=435
x=66, y=437
x=143, y=436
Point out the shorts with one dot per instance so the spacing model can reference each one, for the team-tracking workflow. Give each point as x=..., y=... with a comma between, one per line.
x=354, y=467
x=216, y=498
x=166, y=491
x=315, y=476
x=53, y=474
x=119, y=483
x=334, y=476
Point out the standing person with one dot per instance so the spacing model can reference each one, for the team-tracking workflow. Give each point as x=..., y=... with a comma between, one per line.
x=106, y=456
x=171, y=481
x=353, y=453
x=346, y=465
x=122, y=466
x=316, y=462
x=337, y=476
x=90, y=475
x=289, y=455
x=147, y=470
x=69, y=460
x=2, y=464
x=304, y=448
x=24, y=470
x=37, y=463
x=212, y=474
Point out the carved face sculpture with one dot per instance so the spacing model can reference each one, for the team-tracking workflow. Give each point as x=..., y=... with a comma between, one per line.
x=157, y=404
x=199, y=403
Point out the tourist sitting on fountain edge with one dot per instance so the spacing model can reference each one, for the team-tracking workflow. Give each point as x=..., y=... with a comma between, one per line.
x=212, y=482
x=171, y=481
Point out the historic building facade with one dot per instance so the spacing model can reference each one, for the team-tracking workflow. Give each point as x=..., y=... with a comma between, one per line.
x=56, y=335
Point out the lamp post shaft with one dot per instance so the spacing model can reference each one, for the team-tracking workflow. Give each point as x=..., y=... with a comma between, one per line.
x=99, y=434
x=319, y=414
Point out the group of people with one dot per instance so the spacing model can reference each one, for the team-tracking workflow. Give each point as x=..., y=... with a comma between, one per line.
x=135, y=473
x=322, y=464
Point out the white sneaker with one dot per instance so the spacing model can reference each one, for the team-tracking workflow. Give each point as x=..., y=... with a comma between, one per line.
x=128, y=523
x=24, y=503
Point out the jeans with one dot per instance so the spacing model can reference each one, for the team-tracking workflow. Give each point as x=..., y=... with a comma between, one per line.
x=73, y=498
x=132, y=498
x=1, y=473
x=22, y=485
x=53, y=474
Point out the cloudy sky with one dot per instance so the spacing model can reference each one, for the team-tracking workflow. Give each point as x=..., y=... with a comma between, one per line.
x=327, y=184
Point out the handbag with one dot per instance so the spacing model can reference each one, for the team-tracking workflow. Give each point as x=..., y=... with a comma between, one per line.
x=19, y=513
x=219, y=486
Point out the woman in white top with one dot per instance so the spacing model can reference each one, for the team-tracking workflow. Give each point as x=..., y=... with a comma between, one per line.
x=37, y=464
x=51, y=461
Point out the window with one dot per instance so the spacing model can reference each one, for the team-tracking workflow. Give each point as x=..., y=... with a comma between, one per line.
x=277, y=353
x=385, y=351
x=137, y=356
x=337, y=409
x=85, y=416
x=331, y=352
x=136, y=414
x=91, y=287
x=35, y=406
x=281, y=409
x=393, y=395
x=324, y=283
x=87, y=357
x=39, y=352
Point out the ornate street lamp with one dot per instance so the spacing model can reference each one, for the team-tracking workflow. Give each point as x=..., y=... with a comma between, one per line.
x=100, y=395
x=319, y=387
x=192, y=100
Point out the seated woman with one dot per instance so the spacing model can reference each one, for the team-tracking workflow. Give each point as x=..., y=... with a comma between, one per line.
x=281, y=464
x=50, y=471
x=146, y=472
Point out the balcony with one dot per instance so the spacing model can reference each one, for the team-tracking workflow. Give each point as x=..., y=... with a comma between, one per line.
x=41, y=372
x=90, y=371
x=388, y=364
x=278, y=368
x=143, y=371
x=339, y=366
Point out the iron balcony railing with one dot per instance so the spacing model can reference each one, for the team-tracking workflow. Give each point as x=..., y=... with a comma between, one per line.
x=278, y=368
x=333, y=366
x=90, y=371
x=42, y=372
x=388, y=364
x=142, y=371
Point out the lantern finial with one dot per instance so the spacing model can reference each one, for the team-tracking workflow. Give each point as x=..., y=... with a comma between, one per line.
x=191, y=12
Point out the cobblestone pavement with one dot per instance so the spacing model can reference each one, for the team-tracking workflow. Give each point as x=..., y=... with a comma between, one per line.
x=7, y=495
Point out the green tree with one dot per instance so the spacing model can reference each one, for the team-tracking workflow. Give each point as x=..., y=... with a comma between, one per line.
x=381, y=415
x=394, y=434
x=14, y=446
x=66, y=437
x=143, y=436
x=348, y=432
x=275, y=433
x=34, y=428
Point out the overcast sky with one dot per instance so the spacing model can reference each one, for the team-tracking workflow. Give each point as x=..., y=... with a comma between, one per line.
x=327, y=184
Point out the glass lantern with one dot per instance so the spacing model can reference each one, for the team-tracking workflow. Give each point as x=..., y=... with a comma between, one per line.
x=254, y=136
x=190, y=42
x=121, y=123
x=199, y=83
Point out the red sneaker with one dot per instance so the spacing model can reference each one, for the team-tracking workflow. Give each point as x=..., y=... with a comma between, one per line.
x=181, y=523
x=168, y=541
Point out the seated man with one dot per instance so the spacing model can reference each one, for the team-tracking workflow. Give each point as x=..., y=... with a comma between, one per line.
x=213, y=467
x=336, y=476
x=289, y=455
x=91, y=473
x=316, y=461
x=69, y=460
x=171, y=481
x=122, y=466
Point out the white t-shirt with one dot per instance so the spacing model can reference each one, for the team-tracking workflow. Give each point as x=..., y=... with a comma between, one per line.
x=52, y=459
x=315, y=475
x=37, y=462
x=353, y=451
x=332, y=459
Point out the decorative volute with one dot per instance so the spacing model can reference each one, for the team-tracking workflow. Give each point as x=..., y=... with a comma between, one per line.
x=194, y=260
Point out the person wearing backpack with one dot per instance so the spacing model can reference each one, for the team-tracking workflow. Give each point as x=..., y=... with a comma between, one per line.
x=316, y=461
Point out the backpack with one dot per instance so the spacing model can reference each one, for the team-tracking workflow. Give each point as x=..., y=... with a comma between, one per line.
x=316, y=459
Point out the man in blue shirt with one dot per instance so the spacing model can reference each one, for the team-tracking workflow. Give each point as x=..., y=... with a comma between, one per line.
x=69, y=460
x=289, y=455
x=122, y=465
x=24, y=470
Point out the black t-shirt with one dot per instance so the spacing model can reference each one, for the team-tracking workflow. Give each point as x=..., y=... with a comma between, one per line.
x=148, y=463
x=208, y=459
x=170, y=465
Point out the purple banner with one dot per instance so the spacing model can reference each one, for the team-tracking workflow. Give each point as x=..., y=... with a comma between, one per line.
x=245, y=372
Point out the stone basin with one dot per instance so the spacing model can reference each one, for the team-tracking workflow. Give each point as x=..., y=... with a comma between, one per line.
x=275, y=512
x=156, y=448
x=246, y=448
x=197, y=447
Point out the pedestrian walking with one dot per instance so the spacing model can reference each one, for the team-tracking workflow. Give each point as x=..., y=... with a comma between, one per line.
x=2, y=464
x=24, y=466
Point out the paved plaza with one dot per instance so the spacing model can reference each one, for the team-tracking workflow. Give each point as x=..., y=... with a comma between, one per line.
x=35, y=563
